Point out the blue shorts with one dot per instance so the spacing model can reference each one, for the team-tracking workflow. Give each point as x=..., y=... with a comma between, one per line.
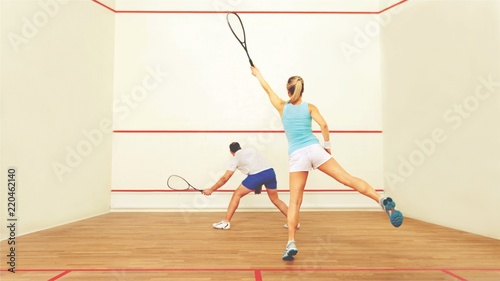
x=266, y=178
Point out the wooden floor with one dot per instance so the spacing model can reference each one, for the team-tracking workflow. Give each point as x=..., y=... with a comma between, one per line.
x=174, y=246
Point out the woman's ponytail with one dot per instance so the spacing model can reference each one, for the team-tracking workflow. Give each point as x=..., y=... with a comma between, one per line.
x=295, y=86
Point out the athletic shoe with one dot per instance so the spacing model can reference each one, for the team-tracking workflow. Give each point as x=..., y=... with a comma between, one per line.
x=286, y=225
x=389, y=206
x=290, y=251
x=222, y=225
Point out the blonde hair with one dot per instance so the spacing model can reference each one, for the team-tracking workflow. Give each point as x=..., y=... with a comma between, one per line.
x=295, y=86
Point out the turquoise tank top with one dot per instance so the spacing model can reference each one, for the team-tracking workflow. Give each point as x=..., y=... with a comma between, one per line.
x=297, y=123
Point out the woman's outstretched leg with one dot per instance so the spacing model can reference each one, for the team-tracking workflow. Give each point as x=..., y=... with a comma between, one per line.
x=333, y=169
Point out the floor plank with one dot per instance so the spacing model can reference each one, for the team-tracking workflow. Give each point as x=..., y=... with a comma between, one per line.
x=338, y=245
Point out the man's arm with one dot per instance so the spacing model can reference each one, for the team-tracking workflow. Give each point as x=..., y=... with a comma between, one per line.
x=222, y=181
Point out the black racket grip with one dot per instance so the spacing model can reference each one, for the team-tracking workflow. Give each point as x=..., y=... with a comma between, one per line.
x=251, y=62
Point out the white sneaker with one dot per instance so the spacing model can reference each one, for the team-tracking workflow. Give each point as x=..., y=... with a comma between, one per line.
x=290, y=251
x=222, y=225
x=286, y=225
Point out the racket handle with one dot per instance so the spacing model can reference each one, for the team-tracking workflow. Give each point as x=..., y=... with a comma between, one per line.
x=251, y=62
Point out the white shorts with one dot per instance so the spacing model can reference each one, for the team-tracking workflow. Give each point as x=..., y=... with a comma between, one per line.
x=308, y=157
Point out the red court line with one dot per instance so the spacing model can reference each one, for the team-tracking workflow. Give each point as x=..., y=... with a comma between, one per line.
x=258, y=272
x=237, y=131
x=105, y=6
x=59, y=275
x=301, y=269
x=248, y=12
x=454, y=275
x=168, y=190
x=392, y=6
x=258, y=275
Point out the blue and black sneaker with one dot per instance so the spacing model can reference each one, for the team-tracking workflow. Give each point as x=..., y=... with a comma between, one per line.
x=389, y=207
x=290, y=251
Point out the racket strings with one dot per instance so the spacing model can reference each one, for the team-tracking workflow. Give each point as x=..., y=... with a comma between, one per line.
x=236, y=27
x=177, y=183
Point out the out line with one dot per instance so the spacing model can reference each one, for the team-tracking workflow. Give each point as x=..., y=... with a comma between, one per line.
x=229, y=190
x=247, y=12
x=212, y=269
x=258, y=271
x=236, y=131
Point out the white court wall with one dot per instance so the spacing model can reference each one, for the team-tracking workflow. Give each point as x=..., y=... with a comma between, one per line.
x=184, y=91
x=441, y=112
x=421, y=71
x=56, y=111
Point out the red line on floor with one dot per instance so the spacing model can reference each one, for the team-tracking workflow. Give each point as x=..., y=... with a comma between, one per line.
x=454, y=275
x=258, y=275
x=364, y=269
x=59, y=275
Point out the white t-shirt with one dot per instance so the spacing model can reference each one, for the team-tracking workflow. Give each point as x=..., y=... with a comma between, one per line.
x=248, y=161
